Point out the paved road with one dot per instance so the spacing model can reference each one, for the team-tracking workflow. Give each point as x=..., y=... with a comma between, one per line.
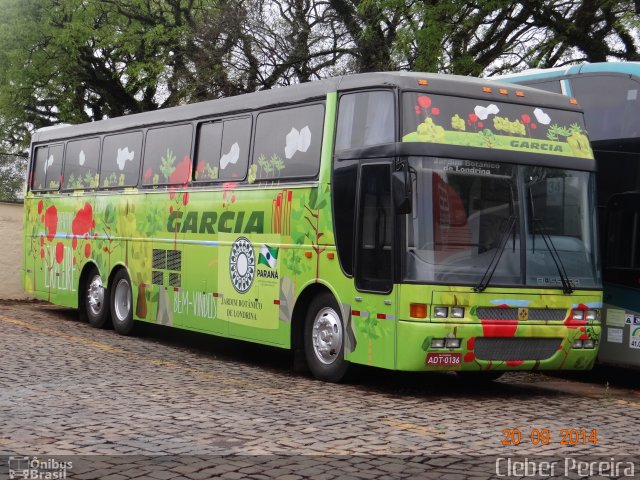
x=222, y=408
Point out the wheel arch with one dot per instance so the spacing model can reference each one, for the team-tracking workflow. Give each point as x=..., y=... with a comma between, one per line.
x=82, y=280
x=299, y=315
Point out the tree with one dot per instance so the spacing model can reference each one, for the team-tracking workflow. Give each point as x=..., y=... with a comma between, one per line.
x=78, y=60
x=13, y=170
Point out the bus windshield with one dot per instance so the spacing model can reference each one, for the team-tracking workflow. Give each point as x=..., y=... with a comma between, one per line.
x=517, y=224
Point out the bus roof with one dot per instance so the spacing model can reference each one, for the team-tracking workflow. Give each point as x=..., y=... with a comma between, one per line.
x=437, y=84
x=629, y=68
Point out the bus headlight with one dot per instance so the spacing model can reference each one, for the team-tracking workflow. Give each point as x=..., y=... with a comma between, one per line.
x=588, y=344
x=457, y=312
x=592, y=315
x=440, y=312
x=437, y=343
x=577, y=344
x=577, y=315
x=452, y=343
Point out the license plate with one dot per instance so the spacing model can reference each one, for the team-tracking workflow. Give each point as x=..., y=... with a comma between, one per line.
x=444, y=359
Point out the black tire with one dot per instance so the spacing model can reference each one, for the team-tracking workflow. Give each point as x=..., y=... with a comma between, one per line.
x=121, y=303
x=324, y=339
x=95, y=301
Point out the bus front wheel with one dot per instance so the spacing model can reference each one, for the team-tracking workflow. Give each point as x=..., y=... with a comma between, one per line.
x=122, y=303
x=324, y=339
x=96, y=302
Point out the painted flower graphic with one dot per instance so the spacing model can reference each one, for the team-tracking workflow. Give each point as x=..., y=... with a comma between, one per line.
x=51, y=222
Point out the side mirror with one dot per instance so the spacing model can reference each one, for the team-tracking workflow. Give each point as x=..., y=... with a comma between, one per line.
x=402, y=191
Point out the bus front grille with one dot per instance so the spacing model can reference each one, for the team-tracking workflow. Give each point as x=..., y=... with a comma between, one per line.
x=516, y=348
x=539, y=314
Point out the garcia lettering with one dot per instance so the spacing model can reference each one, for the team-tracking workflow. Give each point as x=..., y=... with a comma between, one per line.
x=211, y=222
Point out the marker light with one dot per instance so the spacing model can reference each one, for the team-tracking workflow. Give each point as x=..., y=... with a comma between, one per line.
x=437, y=343
x=486, y=89
x=440, y=312
x=503, y=91
x=452, y=343
x=573, y=101
x=519, y=93
x=418, y=310
x=423, y=82
x=457, y=312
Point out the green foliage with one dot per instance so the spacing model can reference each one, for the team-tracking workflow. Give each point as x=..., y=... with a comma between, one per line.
x=84, y=60
x=12, y=176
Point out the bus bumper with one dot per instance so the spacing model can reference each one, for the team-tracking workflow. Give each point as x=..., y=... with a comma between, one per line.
x=496, y=346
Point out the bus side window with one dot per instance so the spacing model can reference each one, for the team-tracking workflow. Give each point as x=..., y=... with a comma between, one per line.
x=47, y=168
x=288, y=143
x=81, y=164
x=208, y=151
x=120, y=160
x=365, y=119
x=167, y=156
x=39, y=168
x=375, y=226
x=234, y=155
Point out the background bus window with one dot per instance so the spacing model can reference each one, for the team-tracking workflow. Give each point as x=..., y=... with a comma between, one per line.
x=288, y=143
x=47, y=168
x=121, y=160
x=549, y=86
x=611, y=104
x=234, y=155
x=208, y=151
x=81, y=164
x=365, y=119
x=623, y=238
x=376, y=229
x=167, y=156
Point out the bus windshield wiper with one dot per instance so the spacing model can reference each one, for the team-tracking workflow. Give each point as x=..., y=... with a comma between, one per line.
x=564, y=278
x=486, y=278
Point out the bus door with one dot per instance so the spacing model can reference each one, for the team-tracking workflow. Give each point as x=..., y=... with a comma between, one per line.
x=375, y=301
x=621, y=341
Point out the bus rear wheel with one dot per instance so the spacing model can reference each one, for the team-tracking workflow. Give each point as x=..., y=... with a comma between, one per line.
x=324, y=339
x=96, y=303
x=122, y=303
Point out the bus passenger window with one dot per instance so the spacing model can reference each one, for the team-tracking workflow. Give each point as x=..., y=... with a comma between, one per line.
x=39, y=168
x=234, y=154
x=47, y=168
x=208, y=151
x=167, y=156
x=288, y=143
x=120, y=160
x=81, y=164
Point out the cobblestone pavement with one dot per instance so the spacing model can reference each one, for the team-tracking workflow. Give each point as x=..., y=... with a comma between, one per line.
x=202, y=407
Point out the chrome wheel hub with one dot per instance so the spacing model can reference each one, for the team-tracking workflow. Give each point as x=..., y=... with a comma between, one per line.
x=327, y=335
x=95, y=295
x=122, y=300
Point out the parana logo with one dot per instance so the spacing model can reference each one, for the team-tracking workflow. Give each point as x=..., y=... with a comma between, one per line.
x=242, y=264
x=539, y=146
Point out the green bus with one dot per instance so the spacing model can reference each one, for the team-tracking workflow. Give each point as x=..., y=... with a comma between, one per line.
x=405, y=221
